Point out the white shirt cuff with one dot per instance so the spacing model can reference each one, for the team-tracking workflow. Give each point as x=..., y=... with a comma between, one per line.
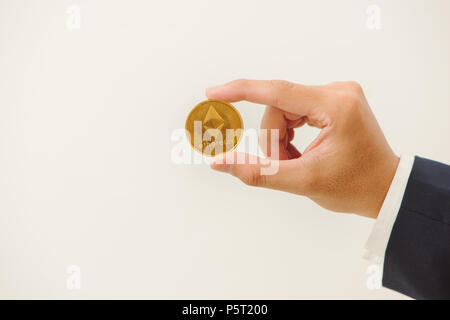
x=378, y=240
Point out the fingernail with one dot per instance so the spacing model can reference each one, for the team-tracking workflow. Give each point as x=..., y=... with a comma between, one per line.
x=213, y=89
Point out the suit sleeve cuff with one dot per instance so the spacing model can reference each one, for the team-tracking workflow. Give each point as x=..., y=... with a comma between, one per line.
x=375, y=247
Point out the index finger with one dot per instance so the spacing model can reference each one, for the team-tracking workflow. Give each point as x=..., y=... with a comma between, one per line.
x=284, y=95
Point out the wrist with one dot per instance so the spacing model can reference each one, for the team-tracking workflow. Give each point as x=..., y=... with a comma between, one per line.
x=384, y=176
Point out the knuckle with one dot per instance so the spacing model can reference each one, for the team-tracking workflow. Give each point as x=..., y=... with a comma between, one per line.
x=347, y=86
x=279, y=89
x=349, y=101
x=337, y=85
x=282, y=84
x=354, y=87
x=239, y=83
x=254, y=179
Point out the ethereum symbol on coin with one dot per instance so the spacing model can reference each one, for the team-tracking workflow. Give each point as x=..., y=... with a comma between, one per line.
x=213, y=120
x=219, y=116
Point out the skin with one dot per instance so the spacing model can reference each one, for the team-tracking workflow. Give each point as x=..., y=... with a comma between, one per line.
x=347, y=168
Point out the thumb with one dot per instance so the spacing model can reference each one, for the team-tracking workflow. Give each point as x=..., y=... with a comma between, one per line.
x=285, y=175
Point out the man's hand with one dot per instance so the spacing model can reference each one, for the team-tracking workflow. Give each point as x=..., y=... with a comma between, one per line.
x=347, y=168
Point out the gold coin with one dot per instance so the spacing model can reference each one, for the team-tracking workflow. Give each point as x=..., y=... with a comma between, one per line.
x=214, y=127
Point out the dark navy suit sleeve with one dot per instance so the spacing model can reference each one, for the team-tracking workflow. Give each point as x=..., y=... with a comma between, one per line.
x=417, y=259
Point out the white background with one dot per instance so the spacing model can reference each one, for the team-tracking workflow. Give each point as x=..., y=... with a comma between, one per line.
x=86, y=115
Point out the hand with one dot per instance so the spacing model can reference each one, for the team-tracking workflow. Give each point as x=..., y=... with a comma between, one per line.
x=347, y=168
